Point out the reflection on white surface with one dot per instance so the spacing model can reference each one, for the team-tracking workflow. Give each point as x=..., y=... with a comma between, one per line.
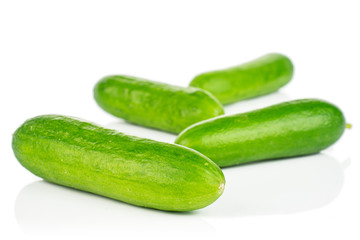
x=256, y=103
x=43, y=208
x=274, y=187
x=279, y=187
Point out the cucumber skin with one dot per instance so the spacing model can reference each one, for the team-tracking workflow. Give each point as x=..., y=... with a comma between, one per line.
x=138, y=171
x=288, y=129
x=153, y=104
x=258, y=77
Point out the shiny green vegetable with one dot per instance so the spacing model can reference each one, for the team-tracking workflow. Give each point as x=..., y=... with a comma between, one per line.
x=258, y=77
x=138, y=171
x=156, y=105
x=288, y=129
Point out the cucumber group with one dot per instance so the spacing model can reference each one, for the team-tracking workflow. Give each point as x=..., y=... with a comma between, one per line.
x=288, y=129
x=258, y=77
x=153, y=104
x=143, y=172
x=184, y=176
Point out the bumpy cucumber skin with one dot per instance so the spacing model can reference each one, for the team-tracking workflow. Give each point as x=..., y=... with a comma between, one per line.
x=288, y=129
x=258, y=77
x=156, y=105
x=138, y=171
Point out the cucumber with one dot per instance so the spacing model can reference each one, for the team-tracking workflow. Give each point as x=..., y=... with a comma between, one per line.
x=156, y=105
x=288, y=129
x=143, y=172
x=258, y=77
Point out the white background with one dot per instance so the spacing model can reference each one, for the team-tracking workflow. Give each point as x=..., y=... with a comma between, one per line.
x=53, y=52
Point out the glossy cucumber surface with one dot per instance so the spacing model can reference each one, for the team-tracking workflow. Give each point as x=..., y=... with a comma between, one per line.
x=143, y=172
x=258, y=77
x=288, y=129
x=153, y=104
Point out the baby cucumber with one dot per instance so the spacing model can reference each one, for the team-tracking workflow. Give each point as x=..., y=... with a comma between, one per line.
x=156, y=105
x=288, y=129
x=258, y=77
x=143, y=172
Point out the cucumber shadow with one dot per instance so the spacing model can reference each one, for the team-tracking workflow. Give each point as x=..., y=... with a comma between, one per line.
x=163, y=136
x=282, y=186
x=256, y=103
x=139, y=131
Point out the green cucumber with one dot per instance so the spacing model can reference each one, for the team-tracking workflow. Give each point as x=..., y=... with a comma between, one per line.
x=143, y=172
x=288, y=129
x=156, y=105
x=258, y=77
